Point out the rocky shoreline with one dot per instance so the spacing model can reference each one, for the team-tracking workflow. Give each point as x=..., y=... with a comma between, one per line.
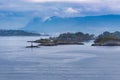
x=48, y=42
x=106, y=44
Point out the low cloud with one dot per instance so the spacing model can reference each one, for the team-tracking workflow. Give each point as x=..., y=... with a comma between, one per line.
x=71, y=10
x=42, y=1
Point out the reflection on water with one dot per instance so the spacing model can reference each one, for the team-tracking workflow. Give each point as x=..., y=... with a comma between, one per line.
x=72, y=62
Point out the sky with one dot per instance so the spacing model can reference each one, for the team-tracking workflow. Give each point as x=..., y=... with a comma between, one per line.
x=17, y=13
x=63, y=8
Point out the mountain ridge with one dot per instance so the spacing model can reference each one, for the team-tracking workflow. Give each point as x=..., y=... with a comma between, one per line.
x=74, y=24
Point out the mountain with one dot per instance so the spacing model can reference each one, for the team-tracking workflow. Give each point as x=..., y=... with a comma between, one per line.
x=91, y=24
x=17, y=33
x=13, y=19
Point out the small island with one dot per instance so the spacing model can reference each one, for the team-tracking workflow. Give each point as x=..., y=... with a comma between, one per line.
x=66, y=39
x=108, y=39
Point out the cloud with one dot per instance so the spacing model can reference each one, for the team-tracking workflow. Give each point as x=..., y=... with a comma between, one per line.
x=41, y=1
x=46, y=18
x=71, y=10
x=62, y=8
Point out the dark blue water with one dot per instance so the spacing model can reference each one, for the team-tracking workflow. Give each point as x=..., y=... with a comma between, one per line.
x=72, y=62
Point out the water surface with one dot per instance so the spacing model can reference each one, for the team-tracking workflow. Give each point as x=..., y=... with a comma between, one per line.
x=68, y=62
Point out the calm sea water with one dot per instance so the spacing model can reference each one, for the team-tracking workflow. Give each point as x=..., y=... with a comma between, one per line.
x=73, y=62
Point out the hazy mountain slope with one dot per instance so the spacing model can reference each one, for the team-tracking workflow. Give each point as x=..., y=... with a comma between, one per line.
x=92, y=24
x=14, y=20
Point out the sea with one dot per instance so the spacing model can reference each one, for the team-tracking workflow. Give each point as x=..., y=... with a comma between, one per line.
x=64, y=62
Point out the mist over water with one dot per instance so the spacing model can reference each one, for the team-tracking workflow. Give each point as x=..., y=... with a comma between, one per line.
x=68, y=62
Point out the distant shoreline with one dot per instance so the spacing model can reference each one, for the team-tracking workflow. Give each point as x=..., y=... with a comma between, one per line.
x=17, y=33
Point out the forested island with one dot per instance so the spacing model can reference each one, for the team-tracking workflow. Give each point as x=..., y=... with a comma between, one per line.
x=104, y=39
x=108, y=39
x=66, y=39
x=17, y=33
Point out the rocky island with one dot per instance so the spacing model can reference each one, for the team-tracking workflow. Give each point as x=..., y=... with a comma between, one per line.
x=66, y=39
x=108, y=39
